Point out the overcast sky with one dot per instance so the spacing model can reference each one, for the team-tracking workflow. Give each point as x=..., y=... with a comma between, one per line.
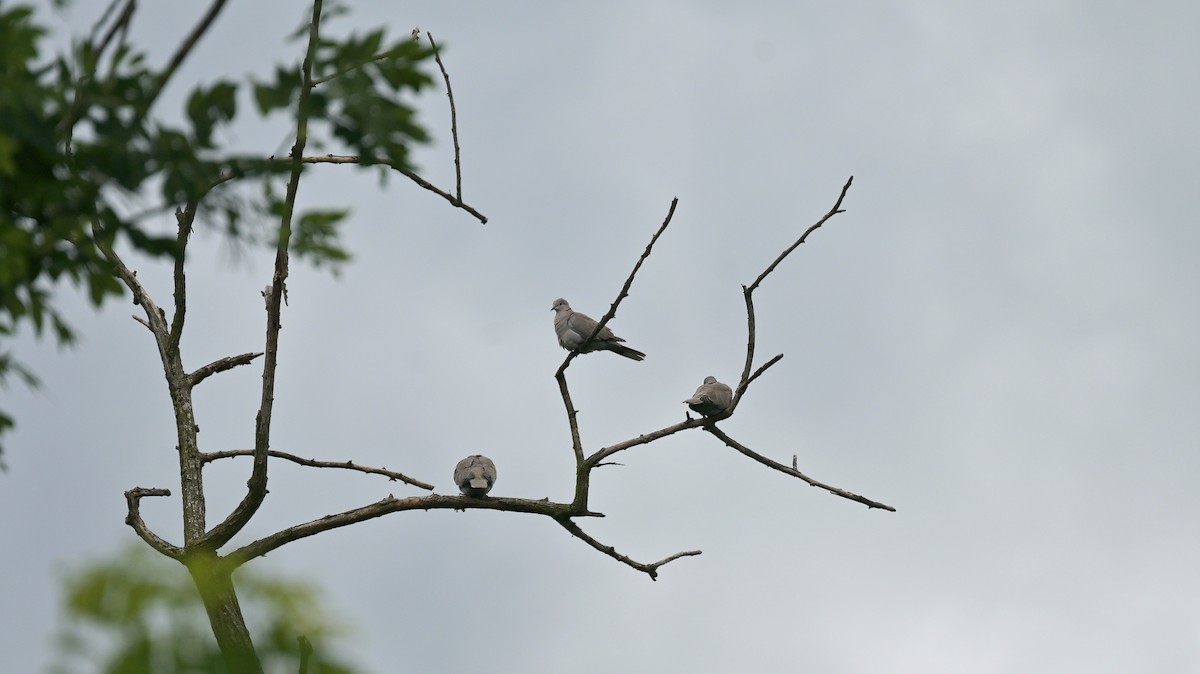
x=997, y=338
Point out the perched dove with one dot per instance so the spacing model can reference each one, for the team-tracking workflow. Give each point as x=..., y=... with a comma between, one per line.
x=711, y=398
x=475, y=475
x=572, y=327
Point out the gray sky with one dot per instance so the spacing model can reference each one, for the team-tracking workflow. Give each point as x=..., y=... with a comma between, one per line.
x=993, y=339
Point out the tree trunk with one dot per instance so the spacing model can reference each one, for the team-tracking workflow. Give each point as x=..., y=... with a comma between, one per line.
x=215, y=583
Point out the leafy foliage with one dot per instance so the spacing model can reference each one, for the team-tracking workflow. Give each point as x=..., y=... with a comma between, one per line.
x=138, y=613
x=80, y=146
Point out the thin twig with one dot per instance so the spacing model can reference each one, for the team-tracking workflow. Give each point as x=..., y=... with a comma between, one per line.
x=612, y=310
x=644, y=438
x=837, y=208
x=763, y=368
x=313, y=463
x=221, y=365
x=133, y=499
x=648, y=569
x=793, y=472
x=453, y=118
x=408, y=173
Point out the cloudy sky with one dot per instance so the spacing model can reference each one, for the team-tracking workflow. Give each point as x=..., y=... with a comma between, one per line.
x=994, y=339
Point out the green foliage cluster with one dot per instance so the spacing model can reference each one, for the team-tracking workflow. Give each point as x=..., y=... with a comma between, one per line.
x=85, y=162
x=138, y=613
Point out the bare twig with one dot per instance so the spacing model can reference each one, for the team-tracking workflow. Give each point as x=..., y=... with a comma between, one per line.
x=763, y=368
x=649, y=569
x=453, y=118
x=184, y=217
x=313, y=463
x=748, y=295
x=642, y=439
x=612, y=310
x=354, y=159
x=133, y=499
x=793, y=472
x=837, y=208
x=221, y=365
x=391, y=504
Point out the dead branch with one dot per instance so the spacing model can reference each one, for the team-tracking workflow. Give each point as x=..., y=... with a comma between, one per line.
x=184, y=217
x=391, y=504
x=791, y=470
x=133, y=499
x=453, y=118
x=612, y=310
x=227, y=363
x=837, y=208
x=313, y=463
x=256, y=487
x=408, y=173
x=649, y=569
x=642, y=439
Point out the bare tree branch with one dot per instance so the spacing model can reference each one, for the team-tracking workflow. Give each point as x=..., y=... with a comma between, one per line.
x=649, y=569
x=133, y=498
x=313, y=463
x=644, y=438
x=748, y=293
x=391, y=504
x=837, y=208
x=763, y=368
x=354, y=159
x=612, y=310
x=184, y=217
x=256, y=487
x=453, y=118
x=221, y=365
x=791, y=470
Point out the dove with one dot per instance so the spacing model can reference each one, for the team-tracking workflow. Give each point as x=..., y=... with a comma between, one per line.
x=475, y=475
x=572, y=327
x=711, y=398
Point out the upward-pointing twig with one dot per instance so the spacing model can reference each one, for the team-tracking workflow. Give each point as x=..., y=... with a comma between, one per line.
x=453, y=118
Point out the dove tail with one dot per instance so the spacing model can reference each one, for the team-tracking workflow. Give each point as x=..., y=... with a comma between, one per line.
x=626, y=351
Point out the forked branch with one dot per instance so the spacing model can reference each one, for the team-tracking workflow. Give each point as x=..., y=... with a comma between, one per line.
x=457, y=202
x=648, y=569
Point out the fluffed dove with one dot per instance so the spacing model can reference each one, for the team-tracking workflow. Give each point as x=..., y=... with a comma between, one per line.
x=475, y=475
x=572, y=327
x=711, y=398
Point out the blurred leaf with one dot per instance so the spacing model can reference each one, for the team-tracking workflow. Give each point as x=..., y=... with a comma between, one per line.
x=139, y=613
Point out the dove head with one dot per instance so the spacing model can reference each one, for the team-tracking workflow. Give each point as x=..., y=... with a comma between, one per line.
x=710, y=380
x=560, y=303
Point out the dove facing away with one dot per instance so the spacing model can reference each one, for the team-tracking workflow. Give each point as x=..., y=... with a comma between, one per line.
x=475, y=475
x=711, y=398
x=572, y=327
